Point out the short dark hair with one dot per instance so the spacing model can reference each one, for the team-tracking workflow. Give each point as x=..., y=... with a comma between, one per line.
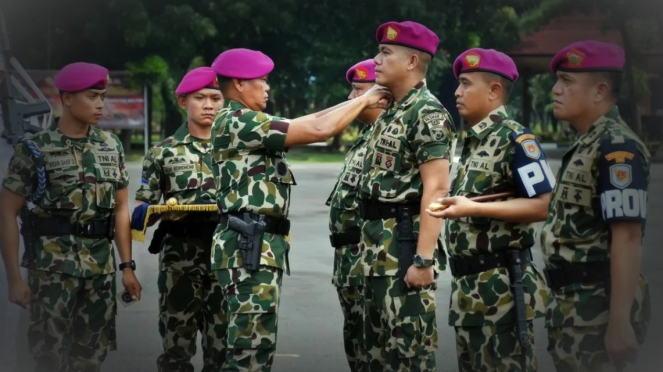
x=614, y=79
x=507, y=85
x=224, y=83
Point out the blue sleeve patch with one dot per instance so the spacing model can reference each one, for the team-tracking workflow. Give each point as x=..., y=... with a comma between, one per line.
x=532, y=172
x=622, y=182
x=143, y=181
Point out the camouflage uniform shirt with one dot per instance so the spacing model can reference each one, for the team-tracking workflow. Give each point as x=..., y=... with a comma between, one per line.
x=251, y=175
x=409, y=133
x=498, y=155
x=180, y=167
x=603, y=178
x=82, y=178
x=344, y=213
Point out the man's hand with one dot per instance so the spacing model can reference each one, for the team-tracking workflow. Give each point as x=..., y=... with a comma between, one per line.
x=378, y=97
x=457, y=206
x=131, y=283
x=20, y=294
x=620, y=342
x=419, y=277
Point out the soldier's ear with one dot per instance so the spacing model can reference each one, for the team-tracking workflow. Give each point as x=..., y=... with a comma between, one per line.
x=66, y=98
x=181, y=100
x=413, y=62
x=238, y=85
x=495, y=91
x=602, y=91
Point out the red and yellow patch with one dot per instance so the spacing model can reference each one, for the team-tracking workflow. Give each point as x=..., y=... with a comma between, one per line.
x=619, y=156
x=361, y=73
x=392, y=32
x=215, y=83
x=575, y=58
x=473, y=60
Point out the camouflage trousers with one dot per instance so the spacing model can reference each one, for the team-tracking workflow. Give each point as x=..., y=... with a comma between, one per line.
x=251, y=304
x=400, y=327
x=353, y=330
x=72, y=321
x=582, y=349
x=190, y=303
x=494, y=348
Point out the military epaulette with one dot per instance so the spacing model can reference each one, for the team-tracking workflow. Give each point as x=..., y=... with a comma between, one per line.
x=165, y=141
x=513, y=125
x=616, y=135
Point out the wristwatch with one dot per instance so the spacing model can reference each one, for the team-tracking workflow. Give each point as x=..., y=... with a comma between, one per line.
x=131, y=264
x=421, y=262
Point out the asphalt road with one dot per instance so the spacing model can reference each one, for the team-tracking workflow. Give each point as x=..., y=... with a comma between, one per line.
x=310, y=321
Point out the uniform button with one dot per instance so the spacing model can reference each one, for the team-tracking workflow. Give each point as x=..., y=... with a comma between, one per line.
x=425, y=153
x=480, y=262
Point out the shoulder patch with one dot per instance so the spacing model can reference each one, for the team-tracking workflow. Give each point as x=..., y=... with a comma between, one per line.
x=621, y=175
x=619, y=156
x=434, y=119
x=523, y=137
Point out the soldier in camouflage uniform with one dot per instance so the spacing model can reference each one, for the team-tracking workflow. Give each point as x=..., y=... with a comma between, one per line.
x=406, y=167
x=345, y=223
x=253, y=178
x=496, y=290
x=599, y=307
x=180, y=167
x=74, y=173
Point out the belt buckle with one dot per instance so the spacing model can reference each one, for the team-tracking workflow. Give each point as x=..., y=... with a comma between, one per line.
x=84, y=230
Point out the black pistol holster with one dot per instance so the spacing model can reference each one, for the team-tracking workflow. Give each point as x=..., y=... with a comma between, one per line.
x=407, y=241
x=518, y=292
x=251, y=227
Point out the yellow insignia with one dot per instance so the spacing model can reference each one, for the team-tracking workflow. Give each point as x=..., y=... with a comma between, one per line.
x=361, y=73
x=473, y=60
x=526, y=136
x=392, y=32
x=107, y=79
x=619, y=156
x=575, y=58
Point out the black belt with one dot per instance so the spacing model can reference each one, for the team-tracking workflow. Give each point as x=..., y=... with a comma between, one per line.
x=461, y=266
x=586, y=272
x=273, y=225
x=352, y=236
x=93, y=229
x=383, y=211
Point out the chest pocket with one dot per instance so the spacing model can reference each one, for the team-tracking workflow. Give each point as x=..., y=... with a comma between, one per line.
x=390, y=151
x=108, y=173
x=64, y=178
x=181, y=172
x=481, y=177
x=577, y=185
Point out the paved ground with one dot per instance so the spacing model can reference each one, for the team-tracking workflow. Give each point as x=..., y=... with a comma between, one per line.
x=310, y=321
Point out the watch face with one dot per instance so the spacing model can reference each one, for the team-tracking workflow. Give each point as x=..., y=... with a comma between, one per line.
x=418, y=260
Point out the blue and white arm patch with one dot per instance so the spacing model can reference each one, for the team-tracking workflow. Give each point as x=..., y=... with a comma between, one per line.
x=622, y=182
x=532, y=172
